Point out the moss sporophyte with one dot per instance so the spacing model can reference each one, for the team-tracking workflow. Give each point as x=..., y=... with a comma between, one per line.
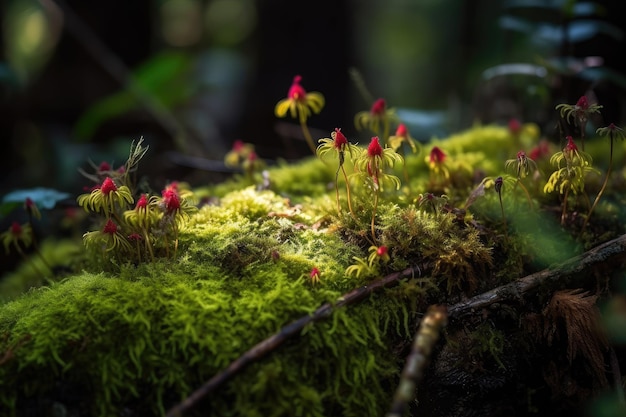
x=572, y=166
x=300, y=104
x=339, y=144
x=379, y=114
x=370, y=166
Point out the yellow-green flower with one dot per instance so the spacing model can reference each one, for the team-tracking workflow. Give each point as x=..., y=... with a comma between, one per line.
x=142, y=216
x=523, y=165
x=338, y=143
x=107, y=239
x=579, y=112
x=15, y=234
x=299, y=103
x=105, y=197
x=571, y=176
x=378, y=115
x=403, y=136
x=374, y=160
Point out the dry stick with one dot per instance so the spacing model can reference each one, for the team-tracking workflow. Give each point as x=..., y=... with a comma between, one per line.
x=266, y=346
x=608, y=256
x=423, y=343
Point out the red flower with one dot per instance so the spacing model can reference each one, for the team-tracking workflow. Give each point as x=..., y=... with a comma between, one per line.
x=437, y=156
x=515, y=126
x=171, y=200
x=296, y=91
x=378, y=108
x=582, y=103
x=107, y=186
x=340, y=140
x=110, y=228
x=314, y=275
x=142, y=203
x=542, y=149
x=401, y=130
x=374, y=149
x=104, y=166
x=31, y=208
x=571, y=146
x=381, y=251
x=16, y=229
x=238, y=145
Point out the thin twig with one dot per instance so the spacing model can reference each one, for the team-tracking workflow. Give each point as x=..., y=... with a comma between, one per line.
x=608, y=256
x=423, y=343
x=266, y=346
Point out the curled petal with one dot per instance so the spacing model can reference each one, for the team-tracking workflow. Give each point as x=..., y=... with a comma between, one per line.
x=282, y=107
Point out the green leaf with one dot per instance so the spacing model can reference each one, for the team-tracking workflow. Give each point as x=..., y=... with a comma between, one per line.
x=163, y=78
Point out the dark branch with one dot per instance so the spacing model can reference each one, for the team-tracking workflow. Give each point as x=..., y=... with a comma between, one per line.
x=605, y=257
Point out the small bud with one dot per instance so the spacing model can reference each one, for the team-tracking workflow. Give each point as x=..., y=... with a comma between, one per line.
x=378, y=108
x=374, y=149
x=108, y=186
x=498, y=184
x=110, y=228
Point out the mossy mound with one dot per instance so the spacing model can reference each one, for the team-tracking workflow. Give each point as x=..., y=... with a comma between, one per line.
x=138, y=339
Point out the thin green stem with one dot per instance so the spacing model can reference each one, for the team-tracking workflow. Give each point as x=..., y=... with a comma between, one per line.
x=506, y=229
x=345, y=176
x=32, y=264
x=530, y=201
x=337, y=188
x=307, y=136
x=563, y=213
x=604, y=184
x=148, y=243
x=374, y=215
x=386, y=130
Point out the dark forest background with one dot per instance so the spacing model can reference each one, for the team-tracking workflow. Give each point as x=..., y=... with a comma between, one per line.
x=81, y=79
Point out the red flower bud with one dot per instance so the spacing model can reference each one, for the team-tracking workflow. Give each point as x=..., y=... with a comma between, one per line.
x=437, y=156
x=378, y=108
x=142, y=203
x=16, y=229
x=374, y=148
x=104, y=166
x=110, y=228
x=571, y=146
x=171, y=201
x=401, y=130
x=107, y=186
x=340, y=139
x=296, y=91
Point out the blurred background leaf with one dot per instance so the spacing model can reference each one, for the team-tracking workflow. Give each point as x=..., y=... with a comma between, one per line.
x=164, y=77
x=31, y=32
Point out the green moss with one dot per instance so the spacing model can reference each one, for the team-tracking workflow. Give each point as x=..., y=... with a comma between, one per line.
x=148, y=335
x=142, y=337
x=60, y=255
